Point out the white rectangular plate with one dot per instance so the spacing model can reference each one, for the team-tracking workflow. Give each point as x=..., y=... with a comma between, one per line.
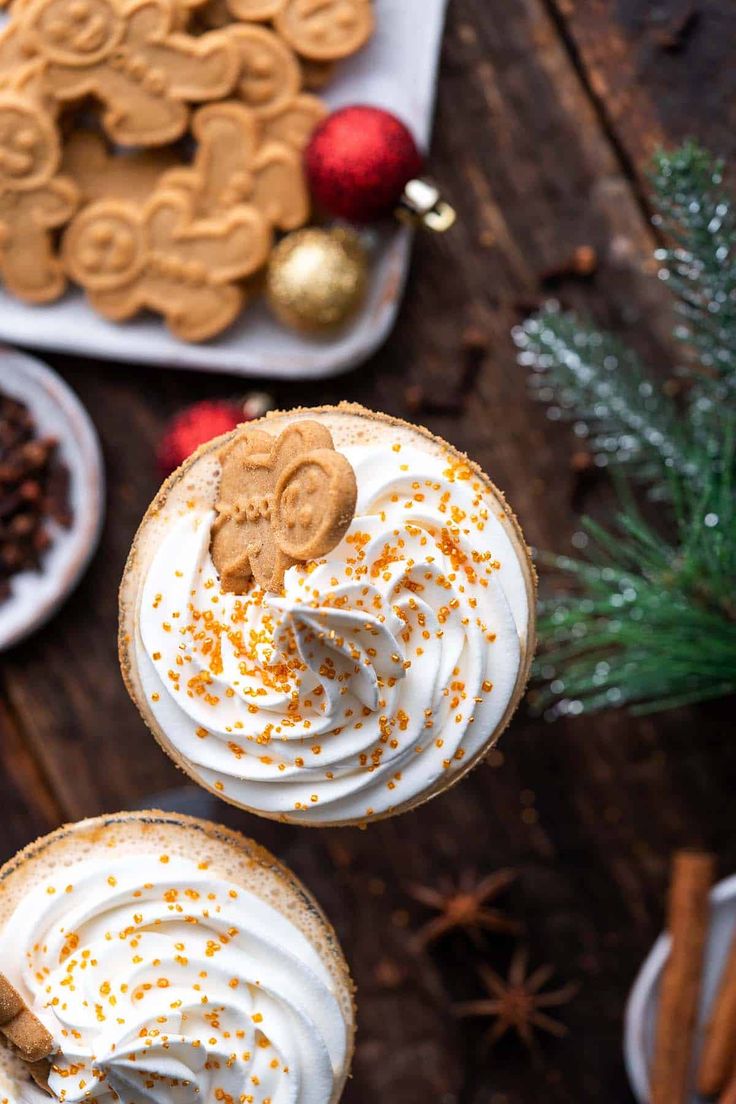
x=397, y=71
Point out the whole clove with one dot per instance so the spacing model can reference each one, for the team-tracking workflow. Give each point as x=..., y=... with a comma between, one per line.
x=34, y=493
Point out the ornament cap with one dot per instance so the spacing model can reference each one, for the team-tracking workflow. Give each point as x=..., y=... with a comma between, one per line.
x=422, y=204
x=256, y=404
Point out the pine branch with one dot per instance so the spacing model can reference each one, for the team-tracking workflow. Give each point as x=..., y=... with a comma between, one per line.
x=650, y=623
x=649, y=616
x=697, y=216
x=588, y=377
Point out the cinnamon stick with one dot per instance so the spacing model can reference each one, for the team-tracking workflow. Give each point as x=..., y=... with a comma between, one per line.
x=719, y=1052
x=729, y=1095
x=688, y=912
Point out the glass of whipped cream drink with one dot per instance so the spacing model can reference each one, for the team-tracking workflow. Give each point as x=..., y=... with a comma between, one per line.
x=172, y=961
x=377, y=675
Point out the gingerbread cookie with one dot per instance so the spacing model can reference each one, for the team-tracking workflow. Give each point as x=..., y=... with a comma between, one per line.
x=128, y=57
x=21, y=1027
x=20, y=69
x=100, y=173
x=34, y=200
x=269, y=76
x=281, y=501
x=12, y=54
x=259, y=11
x=128, y=258
x=230, y=168
x=295, y=123
x=325, y=30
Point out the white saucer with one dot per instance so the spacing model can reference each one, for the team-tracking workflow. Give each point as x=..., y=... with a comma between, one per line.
x=57, y=412
x=641, y=1014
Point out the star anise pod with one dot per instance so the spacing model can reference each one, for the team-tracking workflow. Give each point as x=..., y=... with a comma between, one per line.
x=518, y=1003
x=464, y=904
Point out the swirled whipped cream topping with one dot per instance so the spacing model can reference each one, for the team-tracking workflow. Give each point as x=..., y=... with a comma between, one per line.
x=163, y=983
x=379, y=673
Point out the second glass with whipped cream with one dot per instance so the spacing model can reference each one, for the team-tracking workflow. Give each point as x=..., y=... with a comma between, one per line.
x=373, y=676
x=171, y=961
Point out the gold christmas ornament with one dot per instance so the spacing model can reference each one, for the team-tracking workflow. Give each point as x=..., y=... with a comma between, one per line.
x=317, y=279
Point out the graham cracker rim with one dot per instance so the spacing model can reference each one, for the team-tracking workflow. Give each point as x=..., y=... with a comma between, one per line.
x=126, y=650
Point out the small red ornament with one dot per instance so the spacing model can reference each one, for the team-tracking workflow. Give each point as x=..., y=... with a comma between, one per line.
x=197, y=424
x=359, y=161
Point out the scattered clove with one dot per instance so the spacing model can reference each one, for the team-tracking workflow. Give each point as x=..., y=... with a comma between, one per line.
x=34, y=491
x=581, y=462
x=582, y=264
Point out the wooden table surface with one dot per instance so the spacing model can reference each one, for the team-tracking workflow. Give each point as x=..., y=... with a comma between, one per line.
x=548, y=112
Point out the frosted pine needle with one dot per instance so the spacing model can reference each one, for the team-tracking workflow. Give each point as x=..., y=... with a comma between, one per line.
x=648, y=618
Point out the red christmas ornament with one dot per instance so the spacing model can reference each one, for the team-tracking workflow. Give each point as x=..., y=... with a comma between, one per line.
x=359, y=161
x=192, y=427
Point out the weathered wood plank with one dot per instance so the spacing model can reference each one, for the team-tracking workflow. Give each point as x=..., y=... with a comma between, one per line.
x=660, y=72
x=30, y=804
x=587, y=811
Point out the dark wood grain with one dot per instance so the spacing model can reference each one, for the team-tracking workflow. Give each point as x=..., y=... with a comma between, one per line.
x=659, y=72
x=547, y=112
x=31, y=806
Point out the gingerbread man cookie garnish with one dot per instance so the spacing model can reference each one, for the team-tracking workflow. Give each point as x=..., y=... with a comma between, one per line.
x=33, y=200
x=102, y=173
x=20, y=1027
x=129, y=257
x=129, y=58
x=281, y=501
x=325, y=30
x=270, y=75
x=231, y=168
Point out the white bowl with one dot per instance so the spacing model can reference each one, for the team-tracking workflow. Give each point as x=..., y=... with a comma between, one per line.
x=57, y=412
x=641, y=1013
